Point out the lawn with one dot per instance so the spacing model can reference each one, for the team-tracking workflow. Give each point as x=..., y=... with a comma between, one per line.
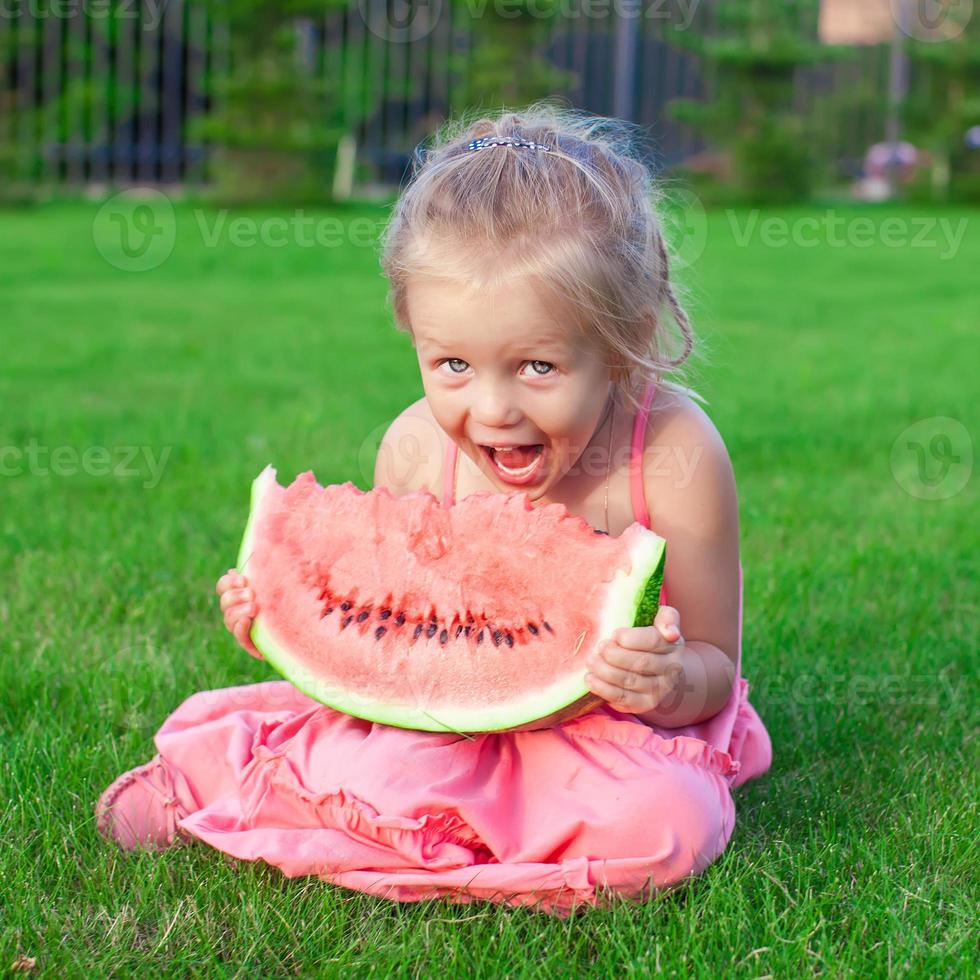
x=139, y=403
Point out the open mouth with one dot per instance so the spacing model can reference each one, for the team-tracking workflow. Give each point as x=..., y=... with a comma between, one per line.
x=520, y=465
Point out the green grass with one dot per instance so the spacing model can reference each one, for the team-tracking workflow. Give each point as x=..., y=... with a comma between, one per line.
x=855, y=854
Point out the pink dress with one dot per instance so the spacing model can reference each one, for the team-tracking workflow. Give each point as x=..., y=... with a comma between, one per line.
x=603, y=805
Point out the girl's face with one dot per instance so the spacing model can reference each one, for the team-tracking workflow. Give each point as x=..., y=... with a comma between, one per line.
x=498, y=371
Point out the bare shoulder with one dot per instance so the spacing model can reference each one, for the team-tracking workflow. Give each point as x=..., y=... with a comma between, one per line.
x=410, y=454
x=687, y=471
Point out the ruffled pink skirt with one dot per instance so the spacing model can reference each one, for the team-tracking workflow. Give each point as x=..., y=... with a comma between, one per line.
x=601, y=805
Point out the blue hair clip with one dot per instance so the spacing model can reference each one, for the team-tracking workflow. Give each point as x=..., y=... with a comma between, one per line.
x=487, y=141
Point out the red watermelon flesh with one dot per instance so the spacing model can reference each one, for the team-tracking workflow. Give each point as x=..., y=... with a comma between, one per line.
x=473, y=618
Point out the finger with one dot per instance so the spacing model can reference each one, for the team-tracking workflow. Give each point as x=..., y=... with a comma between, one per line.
x=640, y=681
x=614, y=661
x=622, y=700
x=614, y=676
x=241, y=634
x=242, y=610
x=668, y=622
x=239, y=608
x=231, y=580
x=235, y=596
x=647, y=639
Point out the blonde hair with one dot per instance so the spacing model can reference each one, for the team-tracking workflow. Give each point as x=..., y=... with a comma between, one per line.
x=580, y=221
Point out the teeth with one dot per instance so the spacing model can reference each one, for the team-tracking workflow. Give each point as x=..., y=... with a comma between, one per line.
x=510, y=471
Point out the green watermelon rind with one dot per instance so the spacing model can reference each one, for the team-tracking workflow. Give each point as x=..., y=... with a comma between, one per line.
x=632, y=598
x=260, y=485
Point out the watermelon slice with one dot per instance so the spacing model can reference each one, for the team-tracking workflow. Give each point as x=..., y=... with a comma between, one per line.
x=473, y=618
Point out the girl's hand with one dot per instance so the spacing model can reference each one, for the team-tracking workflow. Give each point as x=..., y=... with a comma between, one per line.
x=239, y=608
x=641, y=665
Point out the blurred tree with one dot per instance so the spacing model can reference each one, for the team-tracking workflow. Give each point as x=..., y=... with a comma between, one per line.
x=751, y=66
x=276, y=122
x=505, y=65
x=944, y=103
x=16, y=163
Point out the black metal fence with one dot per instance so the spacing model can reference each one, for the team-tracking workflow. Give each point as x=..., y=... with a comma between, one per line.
x=87, y=97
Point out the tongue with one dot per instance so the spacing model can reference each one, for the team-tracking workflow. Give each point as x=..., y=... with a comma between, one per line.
x=516, y=459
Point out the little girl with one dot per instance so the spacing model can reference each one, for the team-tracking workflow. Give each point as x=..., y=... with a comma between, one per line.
x=526, y=260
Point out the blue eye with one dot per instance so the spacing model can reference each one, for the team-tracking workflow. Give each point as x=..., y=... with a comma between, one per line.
x=538, y=373
x=459, y=360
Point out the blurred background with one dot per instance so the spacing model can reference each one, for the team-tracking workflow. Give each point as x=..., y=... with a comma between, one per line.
x=762, y=100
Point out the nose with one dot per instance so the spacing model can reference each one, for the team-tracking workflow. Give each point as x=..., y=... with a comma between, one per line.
x=494, y=408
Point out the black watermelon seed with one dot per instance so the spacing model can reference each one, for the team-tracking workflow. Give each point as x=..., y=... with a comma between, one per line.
x=443, y=636
x=597, y=531
x=459, y=629
x=346, y=622
x=532, y=629
x=400, y=619
x=497, y=637
x=361, y=616
x=418, y=631
x=328, y=611
x=544, y=623
x=509, y=639
x=467, y=630
x=385, y=613
x=479, y=638
x=345, y=606
x=379, y=632
x=430, y=629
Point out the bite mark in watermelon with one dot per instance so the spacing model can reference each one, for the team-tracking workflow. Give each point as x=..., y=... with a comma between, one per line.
x=473, y=618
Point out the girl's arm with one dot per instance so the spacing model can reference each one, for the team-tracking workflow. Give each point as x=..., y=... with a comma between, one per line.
x=691, y=495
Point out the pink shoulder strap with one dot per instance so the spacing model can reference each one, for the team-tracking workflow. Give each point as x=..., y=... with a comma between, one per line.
x=449, y=473
x=640, y=512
